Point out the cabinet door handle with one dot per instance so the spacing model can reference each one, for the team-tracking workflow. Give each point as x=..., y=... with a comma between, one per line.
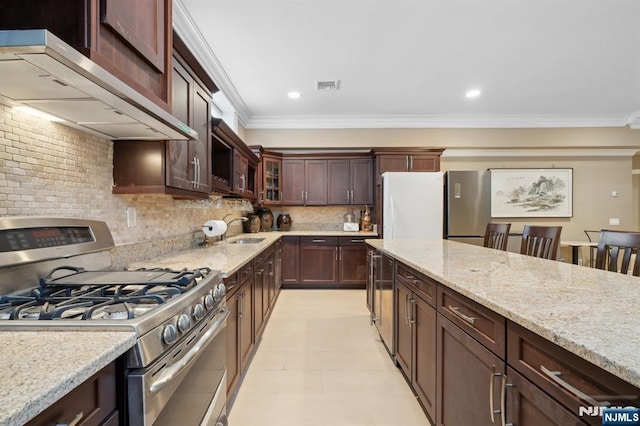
x=503, y=401
x=347, y=196
x=337, y=255
x=73, y=422
x=194, y=182
x=407, y=307
x=302, y=196
x=456, y=311
x=411, y=163
x=352, y=196
x=306, y=197
x=492, y=378
x=357, y=241
x=318, y=241
x=555, y=376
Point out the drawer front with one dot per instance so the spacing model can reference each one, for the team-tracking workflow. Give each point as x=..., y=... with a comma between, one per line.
x=421, y=284
x=245, y=273
x=571, y=380
x=351, y=241
x=483, y=324
x=319, y=241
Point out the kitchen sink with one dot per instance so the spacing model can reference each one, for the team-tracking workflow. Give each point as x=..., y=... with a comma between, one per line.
x=247, y=241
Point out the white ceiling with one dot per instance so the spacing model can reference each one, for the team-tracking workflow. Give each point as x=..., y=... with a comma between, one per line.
x=408, y=63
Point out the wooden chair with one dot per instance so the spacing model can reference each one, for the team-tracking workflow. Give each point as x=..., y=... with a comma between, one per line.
x=496, y=235
x=614, y=243
x=540, y=241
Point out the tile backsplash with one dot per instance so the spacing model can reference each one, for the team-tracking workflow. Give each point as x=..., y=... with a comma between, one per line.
x=47, y=169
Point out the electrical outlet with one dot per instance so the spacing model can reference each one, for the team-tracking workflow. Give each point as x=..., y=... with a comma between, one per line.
x=614, y=221
x=131, y=217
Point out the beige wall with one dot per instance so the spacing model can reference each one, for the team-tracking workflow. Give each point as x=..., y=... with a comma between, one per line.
x=447, y=138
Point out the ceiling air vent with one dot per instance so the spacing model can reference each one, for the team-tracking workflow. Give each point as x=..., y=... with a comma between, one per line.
x=328, y=85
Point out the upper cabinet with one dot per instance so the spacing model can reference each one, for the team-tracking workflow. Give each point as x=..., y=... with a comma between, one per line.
x=228, y=147
x=304, y=181
x=181, y=168
x=406, y=160
x=131, y=40
x=350, y=181
x=268, y=177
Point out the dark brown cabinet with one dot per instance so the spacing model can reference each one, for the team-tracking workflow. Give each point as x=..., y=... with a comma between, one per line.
x=91, y=403
x=416, y=334
x=179, y=168
x=131, y=40
x=290, y=259
x=304, y=182
x=189, y=161
x=469, y=379
x=318, y=260
x=350, y=181
x=352, y=261
x=233, y=160
x=239, y=324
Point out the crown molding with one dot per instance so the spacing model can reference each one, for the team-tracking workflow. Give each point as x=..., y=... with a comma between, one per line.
x=433, y=121
x=541, y=152
x=188, y=31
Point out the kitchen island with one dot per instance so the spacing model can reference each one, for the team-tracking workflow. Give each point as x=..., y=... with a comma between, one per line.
x=516, y=316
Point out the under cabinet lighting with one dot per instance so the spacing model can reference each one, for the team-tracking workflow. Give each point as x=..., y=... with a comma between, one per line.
x=37, y=113
x=293, y=95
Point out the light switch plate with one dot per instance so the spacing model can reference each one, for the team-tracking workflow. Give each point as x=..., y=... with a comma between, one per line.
x=614, y=221
x=350, y=227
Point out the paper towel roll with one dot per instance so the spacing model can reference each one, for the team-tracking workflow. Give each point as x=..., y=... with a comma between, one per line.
x=213, y=228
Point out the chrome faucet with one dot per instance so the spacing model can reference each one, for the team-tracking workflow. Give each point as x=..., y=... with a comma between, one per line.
x=241, y=218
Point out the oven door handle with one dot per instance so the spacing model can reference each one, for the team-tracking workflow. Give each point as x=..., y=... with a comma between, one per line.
x=171, y=372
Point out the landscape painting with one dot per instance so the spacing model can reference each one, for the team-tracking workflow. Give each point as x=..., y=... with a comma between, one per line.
x=531, y=192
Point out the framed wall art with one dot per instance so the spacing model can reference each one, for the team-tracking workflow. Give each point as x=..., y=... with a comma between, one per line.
x=531, y=192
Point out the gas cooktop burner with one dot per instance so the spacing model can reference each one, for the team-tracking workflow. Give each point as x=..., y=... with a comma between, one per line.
x=105, y=295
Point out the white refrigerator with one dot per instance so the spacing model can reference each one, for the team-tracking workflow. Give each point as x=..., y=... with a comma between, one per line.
x=413, y=205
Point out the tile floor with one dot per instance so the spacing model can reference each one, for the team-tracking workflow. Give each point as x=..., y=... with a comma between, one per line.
x=320, y=363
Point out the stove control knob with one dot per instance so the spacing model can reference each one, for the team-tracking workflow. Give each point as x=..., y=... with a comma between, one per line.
x=216, y=294
x=169, y=334
x=198, y=311
x=184, y=322
x=209, y=302
x=219, y=292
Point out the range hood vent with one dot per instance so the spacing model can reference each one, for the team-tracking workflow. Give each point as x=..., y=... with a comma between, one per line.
x=328, y=85
x=43, y=72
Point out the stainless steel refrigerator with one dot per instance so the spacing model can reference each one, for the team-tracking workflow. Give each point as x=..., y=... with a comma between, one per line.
x=467, y=205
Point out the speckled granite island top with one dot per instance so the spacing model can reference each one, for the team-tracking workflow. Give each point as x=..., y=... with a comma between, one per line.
x=40, y=367
x=589, y=312
x=227, y=256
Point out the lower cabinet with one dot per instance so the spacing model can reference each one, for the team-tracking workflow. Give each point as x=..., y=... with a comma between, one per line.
x=352, y=261
x=469, y=379
x=324, y=261
x=416, y=340
x=468, y=365
x=91, y=403
x=239, y=324
x=318, y=260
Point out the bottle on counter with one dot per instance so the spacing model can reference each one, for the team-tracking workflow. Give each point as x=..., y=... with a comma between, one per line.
x=284, y=222
x=367, y=222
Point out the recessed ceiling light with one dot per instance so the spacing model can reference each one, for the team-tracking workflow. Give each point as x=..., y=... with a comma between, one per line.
x=473, y=93
x=293, y=95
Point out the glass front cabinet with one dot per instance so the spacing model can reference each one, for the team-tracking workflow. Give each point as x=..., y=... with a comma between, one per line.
x=272, y=171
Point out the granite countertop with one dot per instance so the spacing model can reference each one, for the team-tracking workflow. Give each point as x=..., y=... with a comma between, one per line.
x=228, y=257
x=40, y=367
x=590, y=312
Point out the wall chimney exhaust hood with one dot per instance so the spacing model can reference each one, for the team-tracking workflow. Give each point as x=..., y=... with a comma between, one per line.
x=41, y=71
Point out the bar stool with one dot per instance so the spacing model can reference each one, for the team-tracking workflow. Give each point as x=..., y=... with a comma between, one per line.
x=613, y=243
x=496, y=235
x=540, y=241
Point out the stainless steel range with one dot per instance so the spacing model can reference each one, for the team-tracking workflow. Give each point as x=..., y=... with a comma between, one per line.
x=55, y=275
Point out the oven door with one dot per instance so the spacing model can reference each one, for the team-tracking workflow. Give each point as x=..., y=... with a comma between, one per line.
x=187, y=386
